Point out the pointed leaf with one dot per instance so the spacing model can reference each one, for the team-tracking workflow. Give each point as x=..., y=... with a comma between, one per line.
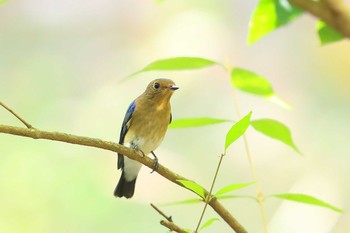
x=208, y=223
x=276, y=100
x=196, y=122
x=177, y=63
x=327, y=34
x=268, y=16
x=251, y=82
x=276, y=130
x=303, y=198
x=255, y=84
x=231, y=188
x=224, y=197
x=196, y=188
x=183, y=202
x=237, y=130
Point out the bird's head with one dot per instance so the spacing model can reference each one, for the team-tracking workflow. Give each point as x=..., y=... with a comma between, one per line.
x=160, y=89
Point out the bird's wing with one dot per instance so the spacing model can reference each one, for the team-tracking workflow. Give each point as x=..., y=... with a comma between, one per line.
x=124, y=130
x=171, y=118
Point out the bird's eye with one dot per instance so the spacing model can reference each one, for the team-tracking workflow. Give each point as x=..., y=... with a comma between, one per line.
x=156, y=85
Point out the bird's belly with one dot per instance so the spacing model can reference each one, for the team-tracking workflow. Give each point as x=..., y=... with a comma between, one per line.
x=146, y=137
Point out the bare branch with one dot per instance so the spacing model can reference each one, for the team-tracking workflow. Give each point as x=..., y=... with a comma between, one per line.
x=162, y=213
x=130, y=153
x=16, y=115
x=207, y=200
x=335, y=13
x=172, y=226
x=168, y=223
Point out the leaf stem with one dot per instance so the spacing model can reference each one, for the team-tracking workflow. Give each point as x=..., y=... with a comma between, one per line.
x=259, y=193
x=209, y=197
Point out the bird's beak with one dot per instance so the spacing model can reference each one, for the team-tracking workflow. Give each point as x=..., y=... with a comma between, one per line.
x=173, y=87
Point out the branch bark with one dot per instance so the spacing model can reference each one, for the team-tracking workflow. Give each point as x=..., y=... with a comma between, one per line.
x=132, y=154
x=172, y=226
x=168, y=223
x=335, y=13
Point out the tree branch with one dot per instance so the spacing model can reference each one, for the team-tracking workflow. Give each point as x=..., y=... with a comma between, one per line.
x=172, y=226
x=168, y=223
x=335, y=13
x=169, y=218
x=130, y=153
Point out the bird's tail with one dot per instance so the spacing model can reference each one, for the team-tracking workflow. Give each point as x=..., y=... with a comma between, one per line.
x=125, y=188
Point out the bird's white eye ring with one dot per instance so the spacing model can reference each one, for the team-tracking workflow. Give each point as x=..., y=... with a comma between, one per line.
x=156, y=85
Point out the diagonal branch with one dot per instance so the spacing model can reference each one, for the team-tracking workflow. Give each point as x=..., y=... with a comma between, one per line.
x=29, y=126
x=172, y=226
x=169, y=218
x=335, y=13
x=168, y=223
x=130, y=153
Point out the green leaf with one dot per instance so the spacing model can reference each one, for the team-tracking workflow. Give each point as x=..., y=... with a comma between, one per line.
x=250, y=82
x=196, y=188
x=196, y=122
x=223, y=197
x=269, y=15
x=327, y=34
x=177, y=63
x=208, y=223
x=2, y=1
x=197, y=200
x=276, y=100
x=275, y=130
x=231, y=188
x=237, y=130
x=183, y=202
x=303, y=198
x=255, y=84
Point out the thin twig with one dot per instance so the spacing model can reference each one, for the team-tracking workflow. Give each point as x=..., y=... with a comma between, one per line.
x=29, y=126
x=162, y=213
x=130, y=153
x=172, y=226
x=208, y=197
x=259, y=193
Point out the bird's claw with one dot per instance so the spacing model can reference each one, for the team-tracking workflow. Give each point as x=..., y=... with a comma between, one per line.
x=143, y=154
x=155, y=163
x=139, y=151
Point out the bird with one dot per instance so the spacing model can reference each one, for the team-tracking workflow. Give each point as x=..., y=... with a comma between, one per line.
x=143, y=129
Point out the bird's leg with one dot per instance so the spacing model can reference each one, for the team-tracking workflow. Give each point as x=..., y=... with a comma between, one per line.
x=155, y=162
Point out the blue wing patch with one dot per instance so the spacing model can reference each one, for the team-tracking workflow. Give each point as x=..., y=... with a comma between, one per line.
x=124, y=130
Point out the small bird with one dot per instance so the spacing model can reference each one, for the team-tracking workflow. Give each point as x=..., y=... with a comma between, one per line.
x=145, y=124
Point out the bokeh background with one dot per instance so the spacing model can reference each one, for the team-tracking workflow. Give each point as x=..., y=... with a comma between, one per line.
x=61, y=66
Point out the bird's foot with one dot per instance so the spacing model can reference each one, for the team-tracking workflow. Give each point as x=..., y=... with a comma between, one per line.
x=155, y=162
x=136, y=149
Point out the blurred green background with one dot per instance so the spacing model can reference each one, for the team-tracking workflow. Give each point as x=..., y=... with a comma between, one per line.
x=61, y=63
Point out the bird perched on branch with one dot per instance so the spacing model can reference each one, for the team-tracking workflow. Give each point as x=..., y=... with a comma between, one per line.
x=144, y=127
